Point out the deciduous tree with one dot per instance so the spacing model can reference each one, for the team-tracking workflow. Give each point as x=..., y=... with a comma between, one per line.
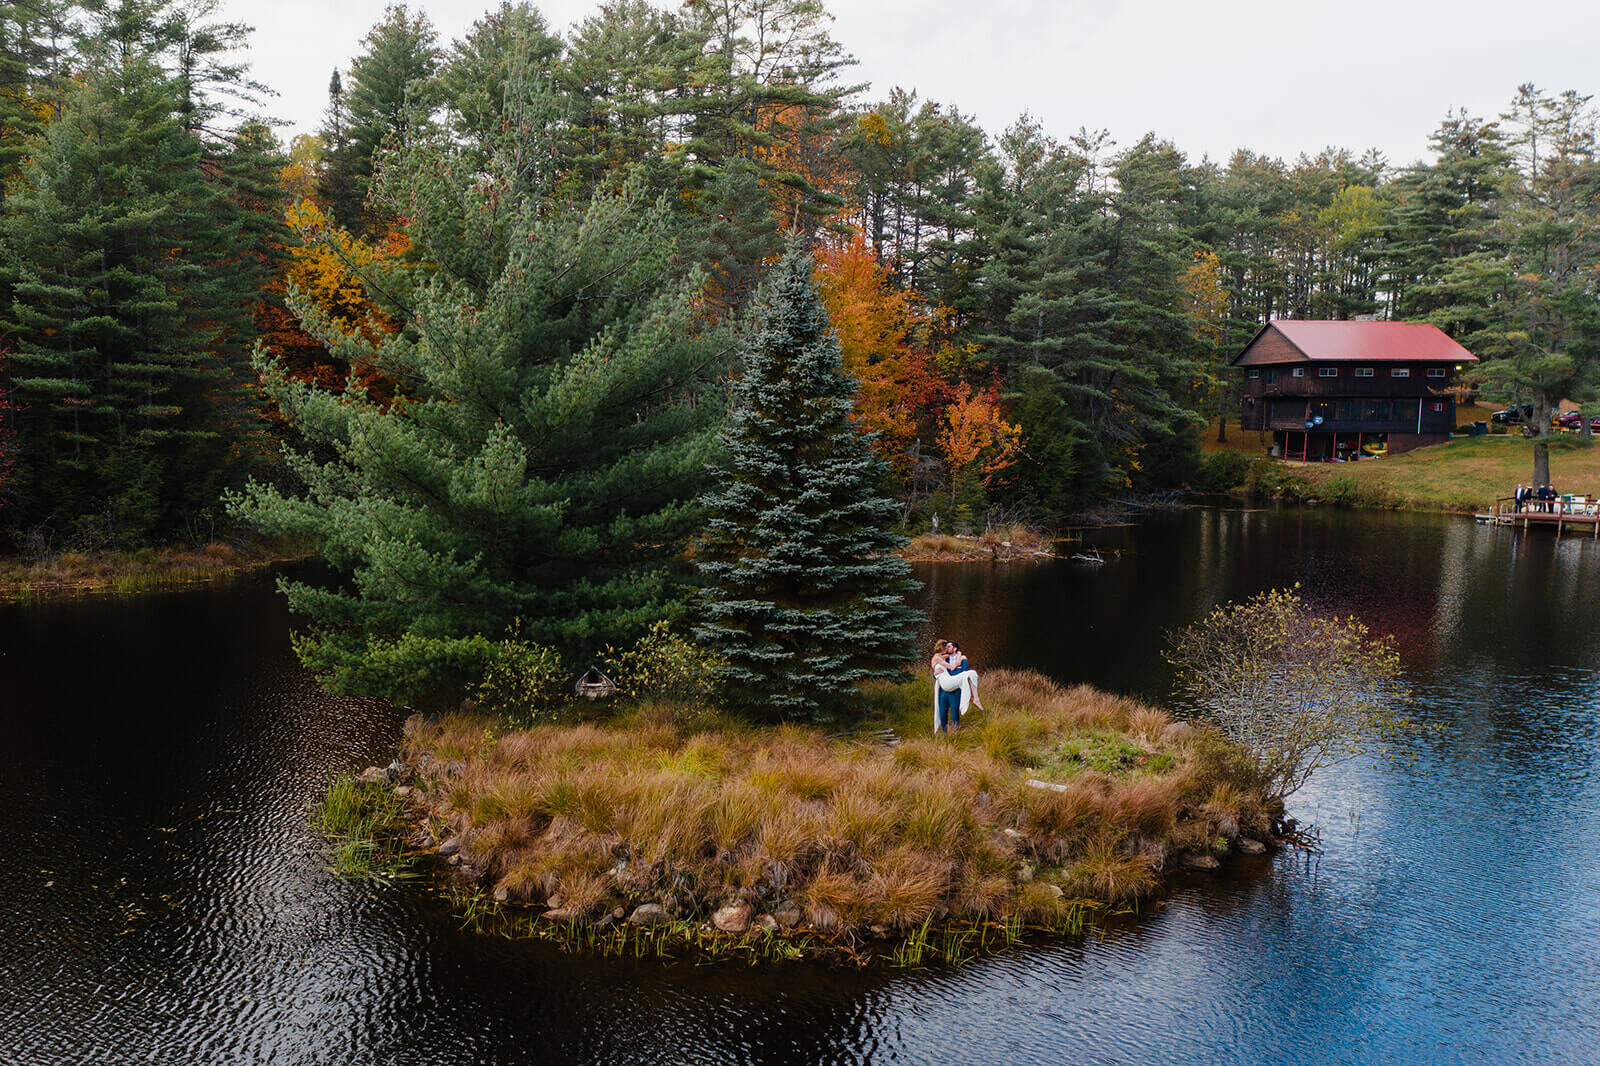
x=1297, y=689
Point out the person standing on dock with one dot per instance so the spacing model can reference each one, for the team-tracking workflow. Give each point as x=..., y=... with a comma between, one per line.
x=1519, y=498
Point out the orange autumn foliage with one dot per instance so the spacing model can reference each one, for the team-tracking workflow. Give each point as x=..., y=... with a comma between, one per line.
x=327, y=266
x=882, y=334
x=975, y=433
x=791, y=144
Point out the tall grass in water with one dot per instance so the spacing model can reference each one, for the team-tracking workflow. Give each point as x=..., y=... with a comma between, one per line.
x=856, y=839
x=363, y=823
x=142, y=570
x=997, y=543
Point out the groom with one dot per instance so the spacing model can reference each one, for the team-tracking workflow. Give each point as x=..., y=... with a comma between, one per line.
x=946, y=705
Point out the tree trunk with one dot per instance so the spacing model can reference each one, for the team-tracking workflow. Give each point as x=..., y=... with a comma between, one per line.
x=1541, y=461
x=1541, y=440
x=1222, y=425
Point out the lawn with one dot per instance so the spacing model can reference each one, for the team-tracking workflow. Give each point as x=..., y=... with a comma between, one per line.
x=1465, y=474
x=1468, y=473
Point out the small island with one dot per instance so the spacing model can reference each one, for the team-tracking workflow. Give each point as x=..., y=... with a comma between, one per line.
x=1002, y=545
x=1050, y=807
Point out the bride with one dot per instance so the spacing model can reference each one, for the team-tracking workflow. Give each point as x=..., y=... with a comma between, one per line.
x=953, y=673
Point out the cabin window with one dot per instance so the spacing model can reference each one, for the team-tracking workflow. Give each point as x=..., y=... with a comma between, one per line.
x=1272, y=377
x=1436, y=371
x=1327, y=371
x=1400, y=372
x=1298, y=372
x=1255, y=373
x=1438, y=407
x=1363, y=371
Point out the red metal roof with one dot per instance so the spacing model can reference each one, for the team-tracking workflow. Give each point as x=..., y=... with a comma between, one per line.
x=1367, y=342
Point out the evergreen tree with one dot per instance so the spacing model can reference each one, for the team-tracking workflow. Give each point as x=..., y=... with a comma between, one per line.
x=109, y=246
x=1524, y=298
x=471, y=84
x=391, y=93
x=338, y=187
x=555, y=416
x=805, y=592
x=34, y=39
x=8, y=438
x=621, y=73
x=1444, y=211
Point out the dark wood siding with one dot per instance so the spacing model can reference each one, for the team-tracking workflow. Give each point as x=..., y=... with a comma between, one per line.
x=1269, y=346
x=1381, y=383
x=1369, y=415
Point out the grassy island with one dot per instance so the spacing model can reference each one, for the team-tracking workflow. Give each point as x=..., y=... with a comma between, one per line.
x=138, y=570
x=1050, y=805
x=993, y=545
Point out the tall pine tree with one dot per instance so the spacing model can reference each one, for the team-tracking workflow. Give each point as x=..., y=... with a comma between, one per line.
x=805, y=592
x=108, y=245
x=390, y=94
x=541, y=459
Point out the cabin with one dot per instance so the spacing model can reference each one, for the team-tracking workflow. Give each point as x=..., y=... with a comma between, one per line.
x=1332, y=391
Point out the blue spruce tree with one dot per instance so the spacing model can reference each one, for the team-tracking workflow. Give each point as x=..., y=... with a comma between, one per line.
x=805, y=594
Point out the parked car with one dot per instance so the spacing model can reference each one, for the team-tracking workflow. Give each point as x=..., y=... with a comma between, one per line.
x=1573, y=420
x=1513, y=416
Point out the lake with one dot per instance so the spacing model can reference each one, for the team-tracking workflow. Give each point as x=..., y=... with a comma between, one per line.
x=163, y=900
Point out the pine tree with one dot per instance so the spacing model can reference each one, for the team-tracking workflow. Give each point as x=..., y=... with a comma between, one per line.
x=390, y=94
x=471, y=83
x=805, y=592
x=34, y=40
x=555, y=413
x=108, y=246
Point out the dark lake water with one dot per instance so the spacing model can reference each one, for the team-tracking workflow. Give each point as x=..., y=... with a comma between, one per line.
x=162, y=900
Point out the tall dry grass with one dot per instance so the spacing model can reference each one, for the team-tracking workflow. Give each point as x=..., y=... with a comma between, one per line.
x=853, y=834
x=997, y=543
x=138, y=570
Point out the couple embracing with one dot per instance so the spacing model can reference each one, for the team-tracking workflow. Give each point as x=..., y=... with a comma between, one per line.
x=955, y=686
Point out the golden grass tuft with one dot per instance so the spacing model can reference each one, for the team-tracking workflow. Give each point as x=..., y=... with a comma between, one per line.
x=1107, y=870
x=905, y=886
x=997, y=543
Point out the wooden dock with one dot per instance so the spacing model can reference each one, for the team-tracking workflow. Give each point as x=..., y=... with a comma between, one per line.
x=1578, y=514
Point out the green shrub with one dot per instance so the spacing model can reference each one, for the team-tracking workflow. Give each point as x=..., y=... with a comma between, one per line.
x=1269, y=479
x=524, y=681
x=666, y=666
x=1342, y=492
x=1223, y=472
x=409, y=669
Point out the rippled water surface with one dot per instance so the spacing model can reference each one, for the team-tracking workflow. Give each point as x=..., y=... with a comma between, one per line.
x=161, y=899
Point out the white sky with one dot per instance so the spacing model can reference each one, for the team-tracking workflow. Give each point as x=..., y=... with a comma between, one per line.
x=1281, y=77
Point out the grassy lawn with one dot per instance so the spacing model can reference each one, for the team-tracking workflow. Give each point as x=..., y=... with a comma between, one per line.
x=1467, y=473
x=1464, y=474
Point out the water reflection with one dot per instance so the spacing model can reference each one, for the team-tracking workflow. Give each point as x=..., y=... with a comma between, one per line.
x=163, y=900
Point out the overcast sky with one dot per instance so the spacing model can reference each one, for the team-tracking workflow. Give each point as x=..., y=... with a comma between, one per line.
x=1281, y=77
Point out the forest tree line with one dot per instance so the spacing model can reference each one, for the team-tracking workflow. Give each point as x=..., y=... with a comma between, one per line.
x=1033, y=324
